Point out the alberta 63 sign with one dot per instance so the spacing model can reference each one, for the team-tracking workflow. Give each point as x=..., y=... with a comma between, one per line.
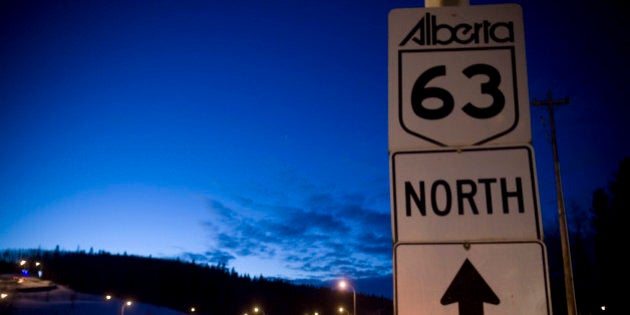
x=457, y=77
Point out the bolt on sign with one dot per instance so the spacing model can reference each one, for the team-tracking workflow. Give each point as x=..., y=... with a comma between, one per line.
x=457, y=77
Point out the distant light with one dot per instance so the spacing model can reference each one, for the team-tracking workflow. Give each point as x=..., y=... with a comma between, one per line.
x=108, y=297
x=192, y=309
x=129, y=303
x=3, y=295
x=603, y=307
x=22, y=262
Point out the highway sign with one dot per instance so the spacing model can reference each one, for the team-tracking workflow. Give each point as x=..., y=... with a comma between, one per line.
x=457, y=77
x=472, y=194
x=471, y=279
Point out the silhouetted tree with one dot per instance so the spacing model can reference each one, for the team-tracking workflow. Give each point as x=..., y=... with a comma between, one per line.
x=179, y=285
x=582, y=258
x=610, y=211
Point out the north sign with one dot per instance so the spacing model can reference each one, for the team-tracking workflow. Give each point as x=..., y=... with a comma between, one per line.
x=461, y=195
x=457, y=77
x=471, y=279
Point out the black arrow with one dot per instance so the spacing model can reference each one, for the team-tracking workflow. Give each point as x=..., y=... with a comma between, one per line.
x=469, y=290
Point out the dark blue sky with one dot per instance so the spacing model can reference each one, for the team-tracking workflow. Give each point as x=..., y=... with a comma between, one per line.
x=254, y=133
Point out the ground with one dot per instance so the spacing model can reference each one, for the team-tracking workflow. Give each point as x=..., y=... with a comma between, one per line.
x=33, y=296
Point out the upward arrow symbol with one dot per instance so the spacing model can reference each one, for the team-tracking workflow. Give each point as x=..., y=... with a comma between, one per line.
x=470, y=290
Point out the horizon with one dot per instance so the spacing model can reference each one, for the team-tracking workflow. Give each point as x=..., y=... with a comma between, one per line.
x=255, y=134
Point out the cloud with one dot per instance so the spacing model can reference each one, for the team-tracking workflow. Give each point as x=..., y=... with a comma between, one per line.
x=324, y=237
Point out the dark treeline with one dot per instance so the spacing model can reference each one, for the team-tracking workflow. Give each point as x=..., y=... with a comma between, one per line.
x=179, y=285
x=596, y=251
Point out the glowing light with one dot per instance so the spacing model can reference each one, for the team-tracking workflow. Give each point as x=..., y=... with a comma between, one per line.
x=122, y=308
x=343, y=284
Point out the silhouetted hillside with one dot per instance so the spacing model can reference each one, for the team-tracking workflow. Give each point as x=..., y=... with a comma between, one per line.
x=180, y=285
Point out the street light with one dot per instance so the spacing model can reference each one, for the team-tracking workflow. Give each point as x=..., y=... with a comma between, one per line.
x=257, y=309
x=122, y=308
x=343, y=284
x=341, y=310
x=40, y=272
x=109, y=297
x=23, y=264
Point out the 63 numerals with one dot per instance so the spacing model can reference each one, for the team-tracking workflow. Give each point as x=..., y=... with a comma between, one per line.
x=422, y=92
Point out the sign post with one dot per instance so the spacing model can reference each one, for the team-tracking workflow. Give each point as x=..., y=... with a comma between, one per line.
x=464, y=199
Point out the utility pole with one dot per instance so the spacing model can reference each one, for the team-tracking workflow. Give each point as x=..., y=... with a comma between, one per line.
x=564, y=235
